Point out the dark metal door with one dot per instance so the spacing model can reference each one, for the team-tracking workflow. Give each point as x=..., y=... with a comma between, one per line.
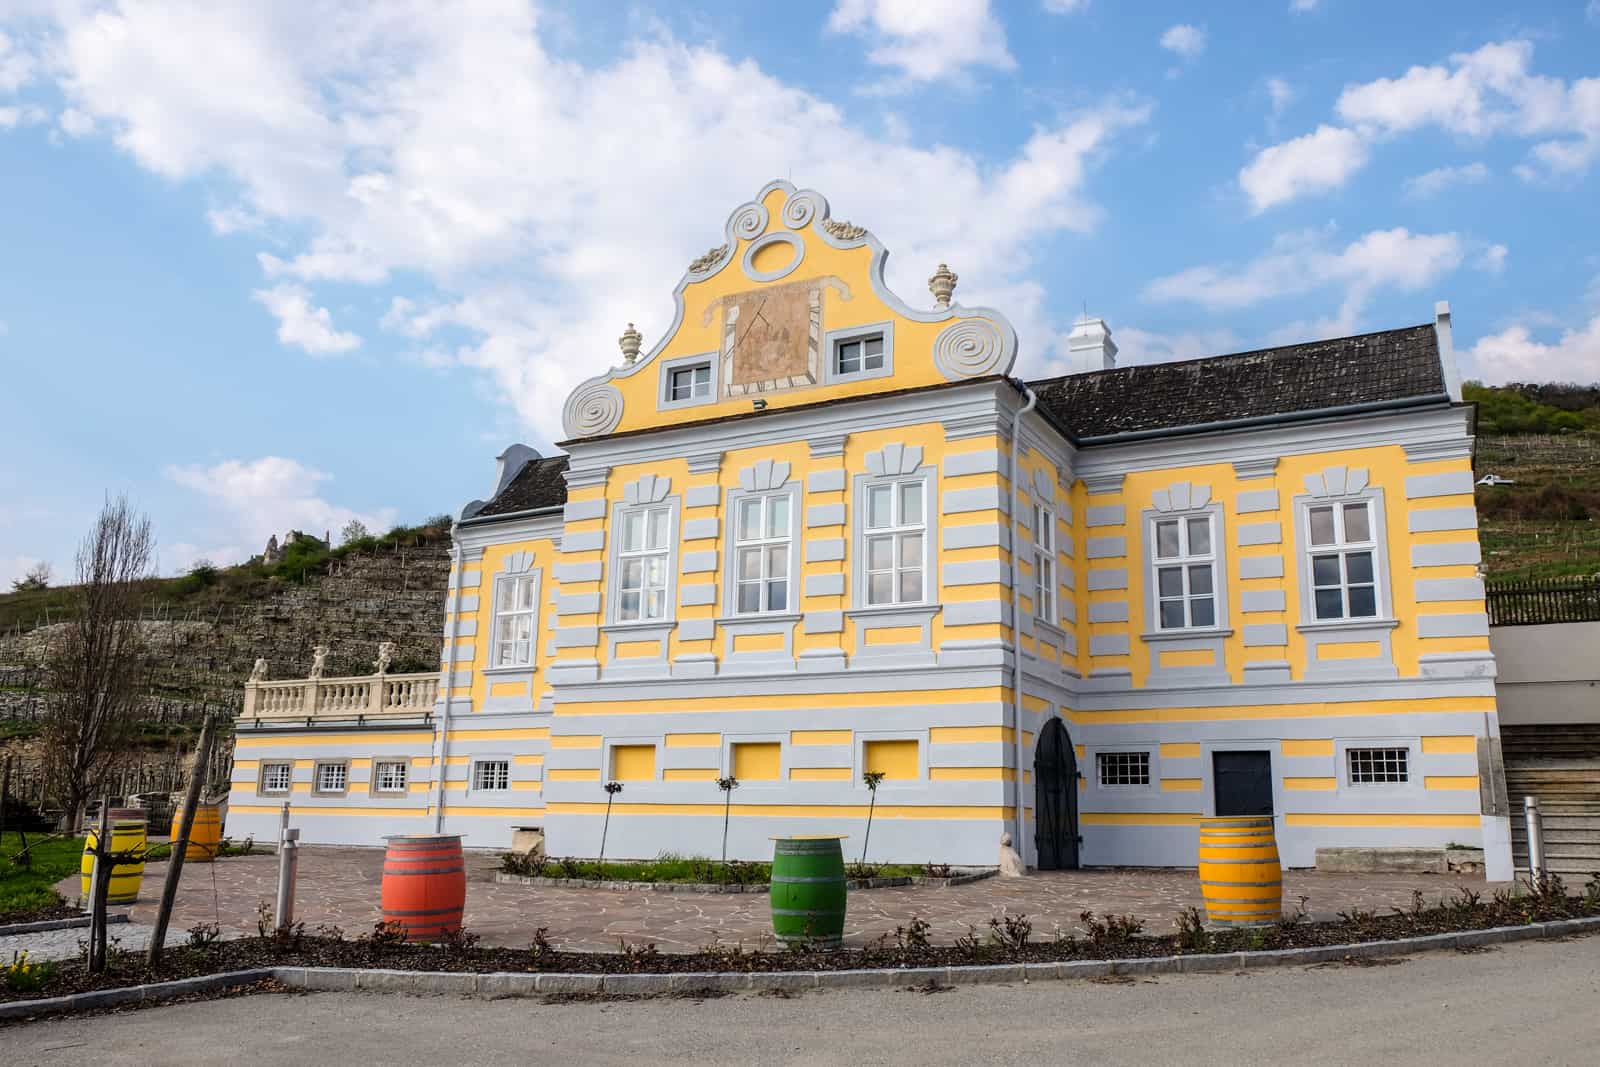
x=1055, y=800
x=1242, y=782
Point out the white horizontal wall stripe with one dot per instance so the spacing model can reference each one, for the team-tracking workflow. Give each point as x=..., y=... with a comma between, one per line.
x=702, y=496
x=1452, y=555
x=1108, y=611
x=699, y=562
x=1261, y=567
x=1255, y=500
x=1264, y=635
x=1107, y=547
x=978, y=535
x=1261, y=600
x=1475, y=624
x=1108, y=578
x=825, y=515
x=584, y=509
x=1261, y=533
x=699, y=529
x=959, y=501
x=825, y=585
x=985, y=462
x=824, y=549
x=1453, y=483
x=583, y=541
x=573, y=573
x=577, y=603
x=575, y=636
x=977, y=572
x=1431, y=519
x=1108, y=645
x=698, y=594
x=1435, y=589
x=826, y=482
x=1105, y=515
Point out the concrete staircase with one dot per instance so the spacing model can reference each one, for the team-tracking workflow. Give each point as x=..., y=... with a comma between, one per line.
x=1560, y=765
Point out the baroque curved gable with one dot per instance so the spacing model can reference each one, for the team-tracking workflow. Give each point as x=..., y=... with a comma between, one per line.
x=763, y=312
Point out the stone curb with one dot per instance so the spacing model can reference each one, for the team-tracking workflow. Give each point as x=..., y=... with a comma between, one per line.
x=514, y=984
x=502, y=878
x=45, y=925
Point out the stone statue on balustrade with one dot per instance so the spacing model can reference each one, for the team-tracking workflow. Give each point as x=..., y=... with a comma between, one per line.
x=319, y=660
x=386, y=651
x=258, y=673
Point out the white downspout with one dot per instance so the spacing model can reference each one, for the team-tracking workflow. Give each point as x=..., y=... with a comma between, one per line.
x=447, y=677
x=1016, y=612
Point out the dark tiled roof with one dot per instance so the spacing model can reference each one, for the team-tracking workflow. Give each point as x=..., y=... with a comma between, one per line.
x=1343, y=372
x=540, y=484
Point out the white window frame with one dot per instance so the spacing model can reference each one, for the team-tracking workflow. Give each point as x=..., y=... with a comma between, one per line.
x=499, y=619
x=1391, y=792
x=668, y=554
x=1349, y=769
x=762, y=544
x=834, y=339
x=1045, y=590
x=288, y=779
x=1343, y=548
x=1184, y=561
x=378, y=787
x=1150, y=777
x=894, y=532
x=475, y=782
x=669, y=367
x=316, y=777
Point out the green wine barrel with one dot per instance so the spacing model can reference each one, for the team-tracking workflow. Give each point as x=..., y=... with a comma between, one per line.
x=808, y=893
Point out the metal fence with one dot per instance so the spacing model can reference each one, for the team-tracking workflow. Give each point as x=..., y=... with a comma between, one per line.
x=1543, y=600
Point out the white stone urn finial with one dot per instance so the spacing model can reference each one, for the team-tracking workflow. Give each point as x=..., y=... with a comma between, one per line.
x=629, y=343
x=942, y=285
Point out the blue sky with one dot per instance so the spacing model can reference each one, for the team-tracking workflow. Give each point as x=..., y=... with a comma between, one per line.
x=279, y=265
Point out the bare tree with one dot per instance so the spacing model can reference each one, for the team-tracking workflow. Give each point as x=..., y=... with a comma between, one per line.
x=38, y=577
x=93, y=664
x=354, y=530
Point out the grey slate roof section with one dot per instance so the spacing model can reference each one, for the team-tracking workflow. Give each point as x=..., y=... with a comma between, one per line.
x=1392, y=365
x=541, y=483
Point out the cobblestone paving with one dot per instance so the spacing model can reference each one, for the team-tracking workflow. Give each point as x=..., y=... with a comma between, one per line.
x=63, y=944
x=339, y=886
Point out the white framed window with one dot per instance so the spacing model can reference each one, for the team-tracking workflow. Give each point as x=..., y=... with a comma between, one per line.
x=1341, y=539
x=1114, y=769
x=763, y=550
x=895, y=541
x=1184, y=571
x=389, y=776
x=860, y=356
x=276, y=776
x=644, y=552
x=1044, y=563
x=516, y=598
x=491, y=775
x=689, y=383
x=1388, y=765
x=332, y=776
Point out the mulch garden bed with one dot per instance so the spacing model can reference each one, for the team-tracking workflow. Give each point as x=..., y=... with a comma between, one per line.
x=1007, y=939
x=59, y=910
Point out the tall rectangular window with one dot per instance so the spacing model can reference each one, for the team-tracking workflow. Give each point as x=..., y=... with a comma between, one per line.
x=762, y=546
x=514, y=608
x=1044, y=563
x=689, y=383
x=1343, y=546
x=644, y=550
x=1185, y=563
x=896, y=531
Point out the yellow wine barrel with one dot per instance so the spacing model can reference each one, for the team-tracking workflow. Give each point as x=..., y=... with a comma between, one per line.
x=127, y=835
x=206, y=838
x=1241, y=880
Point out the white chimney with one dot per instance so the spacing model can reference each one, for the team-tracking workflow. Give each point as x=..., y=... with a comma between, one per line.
x=1090, y=347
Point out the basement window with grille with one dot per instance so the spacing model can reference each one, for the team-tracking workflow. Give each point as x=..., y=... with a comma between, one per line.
x=275, y=777
x=491, y=775
x=1379, y=766
x=1122, y=768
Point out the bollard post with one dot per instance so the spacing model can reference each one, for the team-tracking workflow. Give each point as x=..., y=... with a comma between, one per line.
x=288, y=869
x=1530, y=812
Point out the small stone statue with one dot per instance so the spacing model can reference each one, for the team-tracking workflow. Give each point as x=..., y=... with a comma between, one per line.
x=386, y=651
x=1010, y=863
x=319, y=660
x=258, y=673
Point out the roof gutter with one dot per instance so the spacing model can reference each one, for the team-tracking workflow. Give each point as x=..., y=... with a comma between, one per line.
x=1016, y=610
x=1285, y=418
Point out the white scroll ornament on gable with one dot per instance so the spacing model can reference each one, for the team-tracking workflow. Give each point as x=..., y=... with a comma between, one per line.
x=1337, y=481
x=1181, y=496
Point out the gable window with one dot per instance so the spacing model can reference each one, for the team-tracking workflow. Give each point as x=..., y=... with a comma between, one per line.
x=896, y=532
x=689, y=383
x=491, y=775
x=858, y=355
x=332, y=777
x=643, y=553
x=389, y=776
x=1044, y=563
x=515, y=601
x=762, y=547
x=1342, y=541
x=1185, y=564
x=1122, y=768
x=275, y=777
x=1379, y=766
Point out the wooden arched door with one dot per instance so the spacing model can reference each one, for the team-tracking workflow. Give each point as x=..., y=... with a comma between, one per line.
x=1055, y=800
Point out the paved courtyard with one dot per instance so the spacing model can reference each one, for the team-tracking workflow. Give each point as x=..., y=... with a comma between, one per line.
x=339, y=886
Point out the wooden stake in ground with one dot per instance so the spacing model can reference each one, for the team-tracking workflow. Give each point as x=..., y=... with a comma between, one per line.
x=180, y=845
x=100, y=889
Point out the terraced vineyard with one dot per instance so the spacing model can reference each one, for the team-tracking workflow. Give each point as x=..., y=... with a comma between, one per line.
x=1547, y=523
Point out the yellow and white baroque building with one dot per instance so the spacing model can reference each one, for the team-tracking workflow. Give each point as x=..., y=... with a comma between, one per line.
x=815, y=532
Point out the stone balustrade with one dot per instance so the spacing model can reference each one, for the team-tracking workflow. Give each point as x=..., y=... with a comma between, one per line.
x=364, y=697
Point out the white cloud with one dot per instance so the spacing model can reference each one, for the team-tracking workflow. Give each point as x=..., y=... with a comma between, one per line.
x=1492, y=260
x=1135, y=345
x=1077, y=7
x=1302, y=263
x=1514, y=356
x=5, y=327
x=926, y=42
x=1313, y=163
x=17, y=67
x=14, y=567
x=302, y=324
x=257, y=498
x=1436, y=181
x=1300, y=7
x=1184, y=40
x=1281, y=94
x=534, y=204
